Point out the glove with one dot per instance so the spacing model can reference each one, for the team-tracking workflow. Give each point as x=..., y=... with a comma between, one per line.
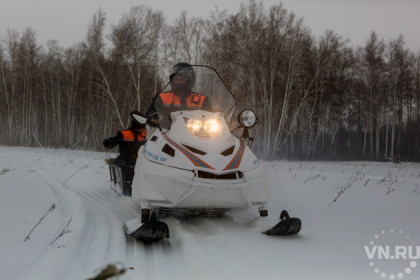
x=152, y=119
x=108, y=144
x=153, y=122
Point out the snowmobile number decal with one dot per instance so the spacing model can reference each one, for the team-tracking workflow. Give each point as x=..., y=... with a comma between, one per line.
x=155, y=157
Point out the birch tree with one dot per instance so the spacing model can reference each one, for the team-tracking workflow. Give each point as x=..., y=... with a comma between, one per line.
x=374, y=68
x=136, y=40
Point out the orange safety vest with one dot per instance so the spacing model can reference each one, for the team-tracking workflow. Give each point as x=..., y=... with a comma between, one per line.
x=129, y=136
x=194, y=101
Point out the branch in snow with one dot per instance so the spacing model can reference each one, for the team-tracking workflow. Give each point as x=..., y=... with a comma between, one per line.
x=312, y=178
x=108, y=272
x=84, y=166
x=343, y=189
x=4, y=171
x=65, y=231
x=416, y=189
x=353, y=179
x=40, y=220
x=389, y=181
x=390, y=190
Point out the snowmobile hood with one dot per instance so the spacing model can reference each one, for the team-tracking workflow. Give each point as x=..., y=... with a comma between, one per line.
x=180, y=148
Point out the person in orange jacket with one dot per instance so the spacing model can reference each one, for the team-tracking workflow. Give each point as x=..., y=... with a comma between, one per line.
x=180, y=97
x=129, y=140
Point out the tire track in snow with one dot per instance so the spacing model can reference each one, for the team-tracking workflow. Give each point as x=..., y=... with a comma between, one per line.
x=95, y=238
x=107, y=243
x=180, y=255
x=68, y=205
x=150, y=261
x=78, y=241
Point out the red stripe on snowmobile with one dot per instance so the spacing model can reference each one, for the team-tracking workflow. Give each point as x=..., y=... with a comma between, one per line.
x=236, y=160
x=195, y=160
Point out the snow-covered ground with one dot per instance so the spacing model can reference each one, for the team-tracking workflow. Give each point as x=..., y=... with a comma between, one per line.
x=350, y=211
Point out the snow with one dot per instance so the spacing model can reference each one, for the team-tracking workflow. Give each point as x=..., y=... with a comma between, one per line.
x=344, y=206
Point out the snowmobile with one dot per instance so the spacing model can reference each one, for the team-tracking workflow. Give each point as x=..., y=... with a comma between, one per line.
x=193, y=165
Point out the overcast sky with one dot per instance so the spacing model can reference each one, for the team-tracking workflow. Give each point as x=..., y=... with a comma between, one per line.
x=67, y=20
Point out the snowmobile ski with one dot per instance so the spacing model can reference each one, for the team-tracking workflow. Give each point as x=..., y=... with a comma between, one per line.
x=286, y=226
x=149, y=231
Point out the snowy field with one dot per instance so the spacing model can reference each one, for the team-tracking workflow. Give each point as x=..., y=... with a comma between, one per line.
x=360, y=221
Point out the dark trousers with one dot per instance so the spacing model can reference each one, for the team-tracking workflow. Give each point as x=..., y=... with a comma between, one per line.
x=127, y=168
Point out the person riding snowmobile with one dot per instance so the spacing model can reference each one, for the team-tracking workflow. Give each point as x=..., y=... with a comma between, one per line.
x=129, y=140
x=180, y=97
x=195, y=166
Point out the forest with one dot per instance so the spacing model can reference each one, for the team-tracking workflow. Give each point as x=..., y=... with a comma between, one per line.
x=316, y=98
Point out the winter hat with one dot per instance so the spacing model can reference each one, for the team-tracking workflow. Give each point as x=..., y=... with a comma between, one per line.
x=138, y=120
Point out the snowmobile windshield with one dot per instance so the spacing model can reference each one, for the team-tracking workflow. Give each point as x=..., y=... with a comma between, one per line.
x=194, y=87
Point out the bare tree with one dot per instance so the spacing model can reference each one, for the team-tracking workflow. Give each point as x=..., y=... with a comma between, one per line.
x=374, y=68
x=135, y=41
x=314, y=97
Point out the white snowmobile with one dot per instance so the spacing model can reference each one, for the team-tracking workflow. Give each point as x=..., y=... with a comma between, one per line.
x=193, y=164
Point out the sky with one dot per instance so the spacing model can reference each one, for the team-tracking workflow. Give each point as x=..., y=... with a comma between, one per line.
x=66, y=21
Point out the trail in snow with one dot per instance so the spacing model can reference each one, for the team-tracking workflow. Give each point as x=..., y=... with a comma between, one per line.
x=380, y=196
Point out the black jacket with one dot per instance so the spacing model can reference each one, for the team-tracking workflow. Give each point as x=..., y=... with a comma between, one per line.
x=129, y=142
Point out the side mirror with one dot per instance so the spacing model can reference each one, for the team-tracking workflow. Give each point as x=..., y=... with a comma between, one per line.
x=247, y=118
x=138, y=117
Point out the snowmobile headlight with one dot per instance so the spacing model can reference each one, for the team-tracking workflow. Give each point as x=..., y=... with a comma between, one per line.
x=194, y=126
x=211, y=127
x=247, y=118
x=204, y=129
